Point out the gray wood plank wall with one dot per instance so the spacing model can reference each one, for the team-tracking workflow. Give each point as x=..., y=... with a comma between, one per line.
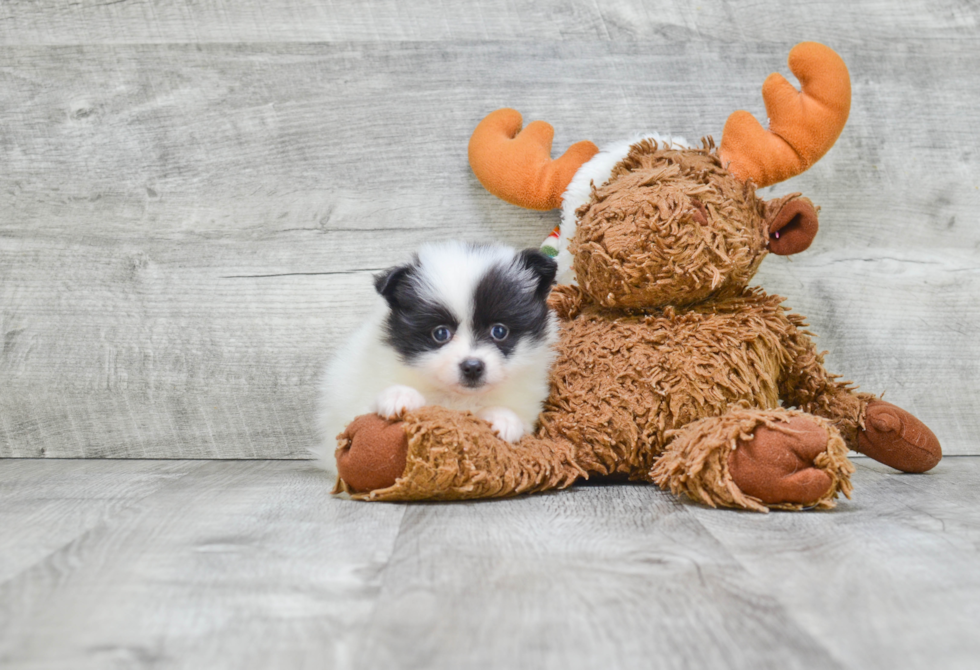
x=193, y=197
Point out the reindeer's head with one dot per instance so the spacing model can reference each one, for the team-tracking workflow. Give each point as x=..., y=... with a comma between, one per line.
x=651, y=223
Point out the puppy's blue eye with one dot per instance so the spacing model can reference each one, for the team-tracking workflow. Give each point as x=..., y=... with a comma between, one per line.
x=442, y=334
x=499, y=332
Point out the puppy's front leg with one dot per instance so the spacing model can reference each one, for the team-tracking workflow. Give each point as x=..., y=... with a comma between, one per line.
x=396, y=399
x=505, y=423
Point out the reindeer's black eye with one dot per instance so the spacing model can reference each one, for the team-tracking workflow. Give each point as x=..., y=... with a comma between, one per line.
x=442, y=334
x=499, y=332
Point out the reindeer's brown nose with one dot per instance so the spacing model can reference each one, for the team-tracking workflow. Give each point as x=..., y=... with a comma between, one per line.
x=700, y=213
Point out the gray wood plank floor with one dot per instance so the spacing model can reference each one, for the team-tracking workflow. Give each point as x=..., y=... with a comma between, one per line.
x=252, y=564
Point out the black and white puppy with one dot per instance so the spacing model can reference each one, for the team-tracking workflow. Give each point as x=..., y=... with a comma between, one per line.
x=463, y=326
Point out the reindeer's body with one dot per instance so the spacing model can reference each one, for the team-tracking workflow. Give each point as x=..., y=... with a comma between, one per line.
x=623, y=382
x=669, y=367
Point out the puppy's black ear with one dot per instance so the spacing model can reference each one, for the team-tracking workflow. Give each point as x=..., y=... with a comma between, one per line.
x=544, y=268
x=386, y=283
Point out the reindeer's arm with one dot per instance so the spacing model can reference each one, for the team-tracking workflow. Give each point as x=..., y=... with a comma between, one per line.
x=435, y=453
x=806, y=384
x=869, y=425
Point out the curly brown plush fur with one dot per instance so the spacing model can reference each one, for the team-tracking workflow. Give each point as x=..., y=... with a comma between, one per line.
x=701, y=231
x=455, y=456
x=623, y=380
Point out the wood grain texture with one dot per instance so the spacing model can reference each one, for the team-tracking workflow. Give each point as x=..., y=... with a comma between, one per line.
x=43, y=509
x=160, y=21
x=619, y=577
x=905, y=544
x=252, y=564
x=186, y=230
x=237, y=565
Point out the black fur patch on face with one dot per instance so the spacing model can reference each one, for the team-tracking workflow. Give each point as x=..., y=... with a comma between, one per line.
x=413, y=316
x=505, y=296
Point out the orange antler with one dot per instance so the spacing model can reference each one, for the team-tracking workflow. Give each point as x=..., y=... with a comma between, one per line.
x=803, y=125
x=515, y=165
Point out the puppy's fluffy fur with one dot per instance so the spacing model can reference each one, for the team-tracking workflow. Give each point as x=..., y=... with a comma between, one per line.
x=462, y=326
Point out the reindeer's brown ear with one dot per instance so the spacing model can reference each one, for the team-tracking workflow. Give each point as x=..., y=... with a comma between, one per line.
x=792, y=224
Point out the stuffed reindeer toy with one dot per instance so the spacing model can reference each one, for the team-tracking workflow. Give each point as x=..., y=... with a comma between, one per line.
x=670, y=368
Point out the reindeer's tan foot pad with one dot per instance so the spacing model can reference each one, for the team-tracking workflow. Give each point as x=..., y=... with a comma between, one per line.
x=896, y=438
x=759, y=460
x=777, y=464
x=373, y=455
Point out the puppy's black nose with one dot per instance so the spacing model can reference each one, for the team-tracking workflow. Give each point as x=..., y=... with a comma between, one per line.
x=472, y=369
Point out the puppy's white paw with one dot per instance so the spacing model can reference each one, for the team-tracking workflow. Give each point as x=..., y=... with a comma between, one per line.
x=396, y=399
x=507, y=425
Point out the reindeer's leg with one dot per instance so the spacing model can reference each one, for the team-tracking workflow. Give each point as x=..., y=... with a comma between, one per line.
x=757, y=459
x=440, y=454
x=869, y=425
